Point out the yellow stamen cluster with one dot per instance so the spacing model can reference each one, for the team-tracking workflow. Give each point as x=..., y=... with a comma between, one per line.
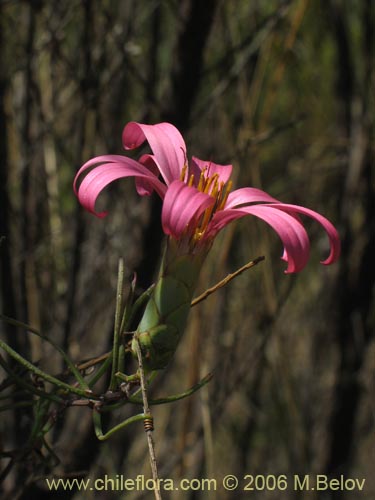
x=213, y=187
x=218, y=190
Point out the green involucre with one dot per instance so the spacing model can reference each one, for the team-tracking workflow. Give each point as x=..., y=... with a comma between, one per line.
x=165, y=316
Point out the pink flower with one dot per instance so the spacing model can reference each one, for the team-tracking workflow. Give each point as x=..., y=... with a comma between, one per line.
x=197, y=198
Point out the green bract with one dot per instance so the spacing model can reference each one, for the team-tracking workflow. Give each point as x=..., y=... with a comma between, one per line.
x=164, y=318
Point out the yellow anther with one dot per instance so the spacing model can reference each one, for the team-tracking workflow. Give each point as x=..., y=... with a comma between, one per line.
x=215, y=189
x=183, y=172
x=197, y=235
x=224, y=199
x=206, y=218
x=191, y=180
x=202, y=180
x=211, y=180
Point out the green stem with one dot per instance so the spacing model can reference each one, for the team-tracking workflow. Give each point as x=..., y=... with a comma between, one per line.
x=40, y=373
x=121, y=359
x=116, y=333
x=128, y=307
x=29, y=387
x=125, y=323
x=67, y=360
x=98, y=424
x=40, y=412
x=101, y=371
x=175, y=397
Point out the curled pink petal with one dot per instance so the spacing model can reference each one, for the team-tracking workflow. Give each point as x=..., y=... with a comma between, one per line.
x=333, y=236
x=182, y=205
x=247, y=195
x=223, y=171
x=166, y=143
x=94, y=162
x=144, y=187
x=99, y=177
x=291, y=232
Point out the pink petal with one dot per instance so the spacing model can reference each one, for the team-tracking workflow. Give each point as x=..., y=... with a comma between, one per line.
x=95, y=162
x=248, y=195
x=331, y=231
x=166, y=143
x=291, y=232
x=182, y=204
x=224, y=171
x=116, y=167
x=144, y=187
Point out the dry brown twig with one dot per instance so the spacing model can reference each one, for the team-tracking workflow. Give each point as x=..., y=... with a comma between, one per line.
x=149, y=426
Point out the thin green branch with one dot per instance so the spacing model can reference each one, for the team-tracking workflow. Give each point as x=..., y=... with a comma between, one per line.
x=66, y=358
x=128, y=306
x=175, y=397
x=116, y=333
x=45, y=376
x=31, y=389
x=98, y=424
x=125, y=322
x=101, y=371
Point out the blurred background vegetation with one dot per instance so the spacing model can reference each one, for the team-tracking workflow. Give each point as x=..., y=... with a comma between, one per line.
x=283, y=89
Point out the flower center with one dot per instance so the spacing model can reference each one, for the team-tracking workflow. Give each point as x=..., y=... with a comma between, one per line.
x=211, y=185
